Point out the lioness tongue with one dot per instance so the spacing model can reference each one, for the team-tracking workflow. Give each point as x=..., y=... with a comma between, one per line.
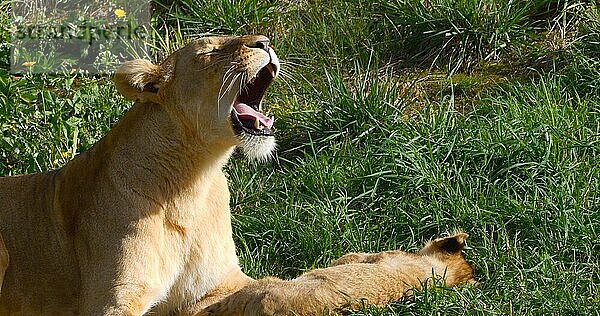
x=246, y=112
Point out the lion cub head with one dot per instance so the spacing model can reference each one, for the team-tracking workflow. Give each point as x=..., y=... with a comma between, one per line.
x=213, y=87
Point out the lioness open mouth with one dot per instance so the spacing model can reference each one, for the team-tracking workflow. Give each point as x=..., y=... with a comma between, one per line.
x=245, y=115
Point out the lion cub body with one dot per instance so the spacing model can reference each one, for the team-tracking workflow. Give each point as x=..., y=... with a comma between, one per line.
x=351, y=282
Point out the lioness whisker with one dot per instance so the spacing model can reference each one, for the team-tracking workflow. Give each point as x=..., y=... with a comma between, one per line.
x=232, y=82
x=220, y=94
x=287, y=76
x=226, y=76
x=288, y=63
x=243, y=81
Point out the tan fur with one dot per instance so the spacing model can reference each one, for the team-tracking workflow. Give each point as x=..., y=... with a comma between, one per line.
x=355, y=280
x=140, y=223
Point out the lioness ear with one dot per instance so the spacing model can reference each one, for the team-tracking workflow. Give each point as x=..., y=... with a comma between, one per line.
x=138, y=80
x=450, y=245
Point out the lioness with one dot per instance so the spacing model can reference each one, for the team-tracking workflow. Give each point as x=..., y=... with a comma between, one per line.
x=353, y=281
x=141, y=221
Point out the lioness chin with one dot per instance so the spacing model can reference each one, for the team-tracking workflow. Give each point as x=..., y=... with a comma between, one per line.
x=140, y=222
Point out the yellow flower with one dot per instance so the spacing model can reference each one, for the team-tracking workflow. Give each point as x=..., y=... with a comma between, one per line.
x=28, y=63
x=120, y=13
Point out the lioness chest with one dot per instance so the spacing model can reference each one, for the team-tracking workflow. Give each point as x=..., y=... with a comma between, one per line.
x=205, y=251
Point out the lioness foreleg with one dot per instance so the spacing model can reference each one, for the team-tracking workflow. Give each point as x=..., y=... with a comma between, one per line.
x=125, y=300
x=134, y=282
x=234, y=282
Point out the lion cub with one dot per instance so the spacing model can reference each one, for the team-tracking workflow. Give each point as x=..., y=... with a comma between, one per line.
x=352, y=281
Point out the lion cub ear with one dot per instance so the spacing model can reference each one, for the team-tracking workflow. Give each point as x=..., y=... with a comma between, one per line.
x=449, y=245
x=138, y=80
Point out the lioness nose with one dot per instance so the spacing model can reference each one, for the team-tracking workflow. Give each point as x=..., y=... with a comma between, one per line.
x=263, y=44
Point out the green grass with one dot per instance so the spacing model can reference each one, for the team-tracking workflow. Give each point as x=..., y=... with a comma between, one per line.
x=391, y=132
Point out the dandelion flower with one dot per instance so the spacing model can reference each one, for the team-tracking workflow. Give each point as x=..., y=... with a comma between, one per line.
x=28, y=63
x=120, y=13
